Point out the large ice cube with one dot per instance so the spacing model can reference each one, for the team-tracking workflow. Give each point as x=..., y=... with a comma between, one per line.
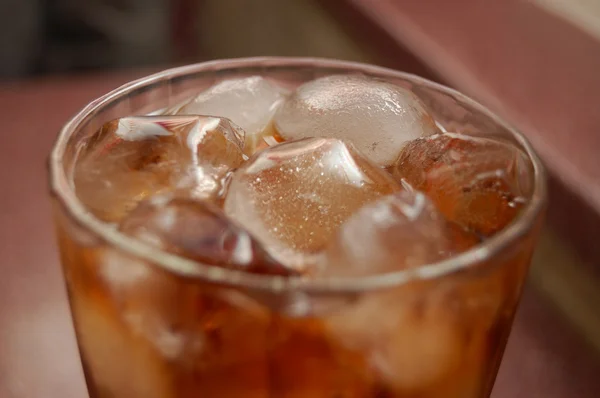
x=377, y=117
x=199, y=231
x=179, y=336
x=117, y=361
x=412, y=340
x=293, y=196
x=250, y=102
x=475, y=182
x=306, y=362
x=132, y=158
x=436, y=337
x=399, y=231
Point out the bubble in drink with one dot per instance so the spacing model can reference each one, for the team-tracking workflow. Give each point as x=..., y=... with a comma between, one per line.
x=400, y=231
x=474, y=182
x=132, y=158
x=293, y=196
x=378, y=118
x=249, y=102
x=199, y=231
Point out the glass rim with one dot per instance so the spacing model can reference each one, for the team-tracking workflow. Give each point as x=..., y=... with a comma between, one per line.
x=62, y=191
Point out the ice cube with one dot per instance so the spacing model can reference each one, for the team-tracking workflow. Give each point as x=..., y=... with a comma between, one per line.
x=410, y=338
x=293, y=196
x=117, y=361
x=397, y=232
x=170, y=328
x=474, y=181
x=132, y=158
x=249, y=102
x=377, y=117
x=199, y=231
x=306, y=361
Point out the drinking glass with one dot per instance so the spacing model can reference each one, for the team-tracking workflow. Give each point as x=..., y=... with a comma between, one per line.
x=153, y=325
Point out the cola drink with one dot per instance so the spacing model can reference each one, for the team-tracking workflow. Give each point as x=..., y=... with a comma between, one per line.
x=332, y=237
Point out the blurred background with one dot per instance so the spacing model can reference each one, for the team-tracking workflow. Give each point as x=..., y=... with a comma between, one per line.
x=534, y=62
x=43, y=37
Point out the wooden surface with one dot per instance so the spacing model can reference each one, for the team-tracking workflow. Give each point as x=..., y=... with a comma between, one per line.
x=38, y=354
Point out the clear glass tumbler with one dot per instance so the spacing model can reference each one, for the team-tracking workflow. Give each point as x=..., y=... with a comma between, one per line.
x=153, y=325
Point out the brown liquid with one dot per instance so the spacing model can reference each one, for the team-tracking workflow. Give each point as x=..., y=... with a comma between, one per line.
x=146, y=333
